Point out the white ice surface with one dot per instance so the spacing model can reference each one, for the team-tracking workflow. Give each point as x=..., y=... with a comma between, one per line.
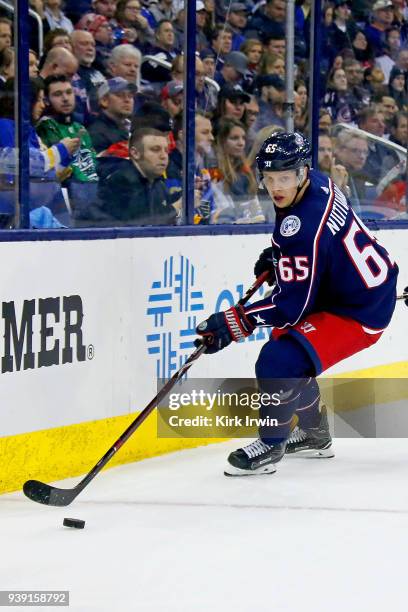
x=173, y=534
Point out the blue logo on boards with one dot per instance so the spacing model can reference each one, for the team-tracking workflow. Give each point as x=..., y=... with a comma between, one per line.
x=174, y=299
x=176, y=302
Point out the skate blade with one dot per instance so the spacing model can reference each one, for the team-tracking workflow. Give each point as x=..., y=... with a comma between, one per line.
x=313, y=453
x=264, y=469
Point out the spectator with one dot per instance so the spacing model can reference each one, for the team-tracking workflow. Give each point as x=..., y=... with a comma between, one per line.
x=389, y=109
x=172, y=98
x=362, y=50
x=300, y=115
x=301, y=90
x=112, y=124
x=338, y=100
x=44, y=162
x=203, y=195
x=373, y=80
x=125, y=62
x=55, y=17
x=6, y=65
x=237, y=18
x=164, y=50
x=268, y=19
x=343, y=29
x=386, y=61
x=381, y=19
x=399, y=129
x=58, y=123
x=249, y=120
x=399, y=136
x=327, y=165
x=136, y=28
x=328, y=14
x=59, y=61
x=208, y=58
x=231, y=103
x=234, y=69
x=57, y=38
x=371, y=120
x=402, y=62
x=135, y=192
x=202, y=41
x=5, y=33
x=178, y=26
x=397, y=87
x=275, y=43
x=221, y=44
x=352, y=152
x=355, y=76
x=162, y=10
x=204, y=140
x=89, y=78
x=32, y=64
x=271, y=96
x=272, y=63
x=206, y=95
x=107, y=8
x=325, y=120
x=235, y=179
x=102, y=32
x=253, y=50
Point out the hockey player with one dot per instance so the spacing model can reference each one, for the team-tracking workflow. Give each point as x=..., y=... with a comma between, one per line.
x=334, y=294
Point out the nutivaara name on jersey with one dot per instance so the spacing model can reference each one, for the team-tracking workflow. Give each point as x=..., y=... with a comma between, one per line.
x=338, y=215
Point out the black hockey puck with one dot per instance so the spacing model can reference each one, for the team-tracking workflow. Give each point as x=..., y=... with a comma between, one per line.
x=75, y=523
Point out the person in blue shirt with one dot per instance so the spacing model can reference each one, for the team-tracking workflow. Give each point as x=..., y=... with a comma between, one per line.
x=334, y=295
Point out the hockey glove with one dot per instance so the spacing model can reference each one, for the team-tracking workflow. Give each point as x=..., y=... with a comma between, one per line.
x=222, y=328
x=265, y=264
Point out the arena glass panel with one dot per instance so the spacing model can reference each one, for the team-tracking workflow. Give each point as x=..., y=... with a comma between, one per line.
x=370, y=169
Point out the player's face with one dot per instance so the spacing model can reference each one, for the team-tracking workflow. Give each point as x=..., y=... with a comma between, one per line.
x=281, y=186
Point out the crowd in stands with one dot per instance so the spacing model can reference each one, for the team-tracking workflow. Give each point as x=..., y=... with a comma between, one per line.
x=106, y=118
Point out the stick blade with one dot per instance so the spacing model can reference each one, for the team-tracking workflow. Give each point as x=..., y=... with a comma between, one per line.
x=43, y=493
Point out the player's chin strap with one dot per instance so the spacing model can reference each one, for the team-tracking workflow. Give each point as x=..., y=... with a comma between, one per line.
x=302, y=181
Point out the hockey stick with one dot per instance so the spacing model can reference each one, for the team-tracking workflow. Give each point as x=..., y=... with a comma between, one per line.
x=53, y=496
x=404, y=296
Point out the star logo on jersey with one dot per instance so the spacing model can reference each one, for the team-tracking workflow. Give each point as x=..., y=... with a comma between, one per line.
x=290, y=226
x=259, y=319
x=325, y=189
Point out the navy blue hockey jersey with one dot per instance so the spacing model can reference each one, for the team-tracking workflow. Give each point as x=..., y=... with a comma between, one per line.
x=326, y=260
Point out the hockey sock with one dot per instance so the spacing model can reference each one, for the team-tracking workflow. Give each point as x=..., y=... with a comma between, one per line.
x=308, y=408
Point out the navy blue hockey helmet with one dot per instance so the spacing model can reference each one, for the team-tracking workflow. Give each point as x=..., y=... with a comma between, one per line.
x=284, y=151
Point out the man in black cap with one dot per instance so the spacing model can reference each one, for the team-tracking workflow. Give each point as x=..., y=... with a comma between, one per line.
x=271, y=96
x=112, y=124
x=237, y=98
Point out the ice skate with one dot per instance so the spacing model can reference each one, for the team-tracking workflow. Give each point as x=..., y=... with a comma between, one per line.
x=313, y=442
x=256, y=458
